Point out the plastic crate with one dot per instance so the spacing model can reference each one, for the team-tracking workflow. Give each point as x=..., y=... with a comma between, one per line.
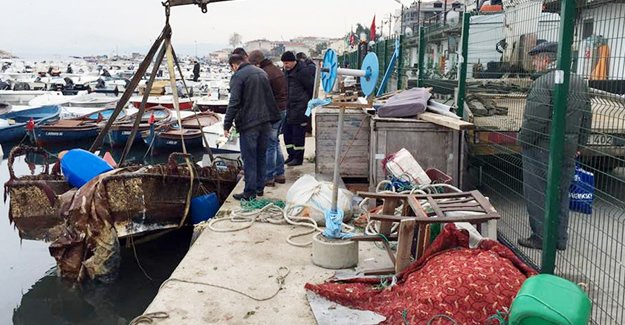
x=437, y=176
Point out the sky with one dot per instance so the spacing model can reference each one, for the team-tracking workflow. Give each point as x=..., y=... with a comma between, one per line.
x=88, y=27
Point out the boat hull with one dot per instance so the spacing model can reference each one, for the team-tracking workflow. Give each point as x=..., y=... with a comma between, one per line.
x=45, y=136
x=171, y=144
x=17, y=131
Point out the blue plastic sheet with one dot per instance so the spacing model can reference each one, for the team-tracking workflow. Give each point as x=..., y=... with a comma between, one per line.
x=316, y=102
x=334, y=222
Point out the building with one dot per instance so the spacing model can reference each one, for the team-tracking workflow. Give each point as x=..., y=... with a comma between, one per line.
x=296, y=47
x=427, y=12
x=259, y=44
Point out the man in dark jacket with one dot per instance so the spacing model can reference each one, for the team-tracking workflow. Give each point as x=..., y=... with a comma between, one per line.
x=275, y=159
x=253, y=110
x=300, y=88
x=534, y=140
x=196, y=70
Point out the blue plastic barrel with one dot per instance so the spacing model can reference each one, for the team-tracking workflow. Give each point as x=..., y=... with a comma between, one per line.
x=80, y=166
x=204, y=207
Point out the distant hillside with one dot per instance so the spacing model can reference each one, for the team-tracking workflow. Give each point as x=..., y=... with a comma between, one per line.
x=6, y=55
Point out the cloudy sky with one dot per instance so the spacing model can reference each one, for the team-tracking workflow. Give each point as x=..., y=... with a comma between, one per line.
x=86, y=27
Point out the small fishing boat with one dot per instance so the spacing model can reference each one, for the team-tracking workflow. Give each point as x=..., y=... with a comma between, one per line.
x=93, y=100
x=20, y=97
x=218, y=143
x=200, y=120
x=81, y=128
x=5, y=108
x=168, y=138
x=120, y=130
x=50, y=98
x=13, y=124
x=207, y=103
x=165, y=101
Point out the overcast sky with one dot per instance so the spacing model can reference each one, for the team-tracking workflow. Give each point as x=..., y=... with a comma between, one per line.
x=86, y=27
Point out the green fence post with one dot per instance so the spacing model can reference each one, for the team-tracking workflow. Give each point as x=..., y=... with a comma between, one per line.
x=462, y=73
x=385, y=58
x=556, y=143
x=421, y=55
x=400, y=62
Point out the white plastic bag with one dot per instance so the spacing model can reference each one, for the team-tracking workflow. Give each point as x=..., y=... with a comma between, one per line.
x=316, y=197
x=402, y=164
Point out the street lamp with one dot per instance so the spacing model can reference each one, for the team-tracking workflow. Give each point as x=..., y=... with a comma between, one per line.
x=401, y=22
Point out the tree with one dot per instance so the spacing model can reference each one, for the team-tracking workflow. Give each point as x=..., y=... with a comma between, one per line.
x=235, y=39
x=319, y=49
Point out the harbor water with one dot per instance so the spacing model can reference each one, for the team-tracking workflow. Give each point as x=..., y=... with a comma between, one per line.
x=34, y=294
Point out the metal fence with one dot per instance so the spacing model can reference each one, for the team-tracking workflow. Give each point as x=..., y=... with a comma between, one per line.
x=532, y=128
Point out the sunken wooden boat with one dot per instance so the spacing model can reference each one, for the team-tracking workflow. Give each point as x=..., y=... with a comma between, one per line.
x=85, y=225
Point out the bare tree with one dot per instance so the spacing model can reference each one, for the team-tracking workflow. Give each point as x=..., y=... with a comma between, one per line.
x=235, y=39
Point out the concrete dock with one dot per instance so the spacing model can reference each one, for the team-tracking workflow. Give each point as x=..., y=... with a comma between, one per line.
x=248, y=261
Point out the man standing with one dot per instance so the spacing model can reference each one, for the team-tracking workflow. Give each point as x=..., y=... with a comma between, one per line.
x=534, y=140
x=275, y=159
x=253, y=110
x=196, y=70
x=300, y=88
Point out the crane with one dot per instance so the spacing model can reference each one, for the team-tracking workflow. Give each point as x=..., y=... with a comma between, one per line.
x=200, y=3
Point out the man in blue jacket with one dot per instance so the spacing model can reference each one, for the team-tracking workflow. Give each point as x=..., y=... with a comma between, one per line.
x=253, y=109
x=300, y=88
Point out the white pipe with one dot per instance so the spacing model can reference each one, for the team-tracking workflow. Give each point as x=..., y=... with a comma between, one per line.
x=351, y=72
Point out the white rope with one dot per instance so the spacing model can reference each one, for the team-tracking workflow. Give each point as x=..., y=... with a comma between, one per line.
x=274, y=215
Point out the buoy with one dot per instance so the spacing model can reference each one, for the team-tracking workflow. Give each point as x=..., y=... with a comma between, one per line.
x=334, y=253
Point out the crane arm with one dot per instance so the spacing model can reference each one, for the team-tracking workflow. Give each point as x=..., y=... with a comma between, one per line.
x=201, y=3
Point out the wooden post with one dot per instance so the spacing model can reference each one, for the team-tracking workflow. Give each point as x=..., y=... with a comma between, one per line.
x=404, y=244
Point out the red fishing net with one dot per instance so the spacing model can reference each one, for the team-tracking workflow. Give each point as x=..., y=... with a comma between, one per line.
x=468, y=285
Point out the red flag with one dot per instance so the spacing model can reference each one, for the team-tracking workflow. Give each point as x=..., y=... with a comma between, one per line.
x=352, y=38
x=372, y=30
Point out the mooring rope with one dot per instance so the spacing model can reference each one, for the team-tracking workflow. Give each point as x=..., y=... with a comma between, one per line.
x=148, y=318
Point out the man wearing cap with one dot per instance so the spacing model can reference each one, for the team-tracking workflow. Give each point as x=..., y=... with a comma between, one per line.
x=275, y=159
x=300, y=88
x=534, y=140
x=253, y=109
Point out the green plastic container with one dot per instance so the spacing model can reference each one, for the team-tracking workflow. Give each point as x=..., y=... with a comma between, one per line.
x=547, y=300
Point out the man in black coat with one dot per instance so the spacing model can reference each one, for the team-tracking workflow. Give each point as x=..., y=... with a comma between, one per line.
x=196, y=70
x=300, y=88
x=253, y=109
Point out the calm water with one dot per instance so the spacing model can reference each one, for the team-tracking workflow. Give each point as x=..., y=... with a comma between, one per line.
x=33, y=294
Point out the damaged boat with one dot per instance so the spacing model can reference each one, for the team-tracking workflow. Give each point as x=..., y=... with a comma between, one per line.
x=85, y=226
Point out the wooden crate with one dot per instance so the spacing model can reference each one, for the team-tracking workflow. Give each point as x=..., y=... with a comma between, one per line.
x=431, y=145
x=355, y=146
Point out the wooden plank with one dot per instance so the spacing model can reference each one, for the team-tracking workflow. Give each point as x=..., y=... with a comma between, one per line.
x=372, y=238
x=388, y=208
x=386, y=217
x=344, y=105
x=420, y=239
x=469, y=219
x=446, y=121
x=381, y=271
x=404, y=244
x=416, y=207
